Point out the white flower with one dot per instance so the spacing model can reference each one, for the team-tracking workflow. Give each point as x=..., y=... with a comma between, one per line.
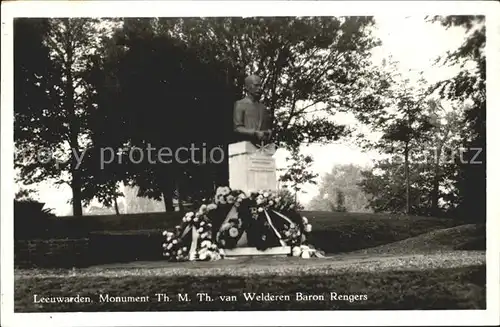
x=219, y=190
x=271, y=203
x=165, y=245
x=304, y=220
x=206, y=243
x=204, y=235
x=230, y=199
x=296, y=251
x=202, y=223
x=212, y=206
x=165, y=233
x=190, y=214
x=169, y=246
x=308, y=228
x=200, y=230
x=266, y=194
x=195, y=219
x=305, y=254
x=166, y=254
x=188, y=219
x=242, y=196
x=226, y=190
x=233, y=232
x=168, y=239
x=174, y=242
x=260, y=197
x=260, y=209
x=292, y=206
x=179, y=251
x=203, y=207
x=292, y=225
x=184, y=249
x=203, y=256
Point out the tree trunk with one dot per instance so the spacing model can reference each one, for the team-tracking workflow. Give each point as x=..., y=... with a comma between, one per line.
x=76, y=183
x=407, y=179
x=117, y=210
x=179, y=197
x=435, y=184
x=168, y=201
x=437, y=174
x=76, y=188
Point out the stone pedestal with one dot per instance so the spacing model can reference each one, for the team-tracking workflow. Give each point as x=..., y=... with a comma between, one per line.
x=252, y=169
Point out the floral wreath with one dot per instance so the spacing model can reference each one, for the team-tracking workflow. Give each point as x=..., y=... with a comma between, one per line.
x=262, y=220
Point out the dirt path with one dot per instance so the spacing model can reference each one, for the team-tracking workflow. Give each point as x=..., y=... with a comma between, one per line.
x=273, y=266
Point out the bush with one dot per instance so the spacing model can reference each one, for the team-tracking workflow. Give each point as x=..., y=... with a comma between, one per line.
x=30, y=218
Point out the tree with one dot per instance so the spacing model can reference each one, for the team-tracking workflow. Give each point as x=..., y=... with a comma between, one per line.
x=311, y=66
x=402, y=118
x=343, y=179
x=301, y=60
x=54, y=99
x=163, y=98
x=444, y=137
x=298, y=172
x=387, y=189
x=469, y=86
x=340, y=206
x=432, y=169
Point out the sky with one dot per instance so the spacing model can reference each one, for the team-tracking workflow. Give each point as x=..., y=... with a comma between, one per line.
x=411, y=41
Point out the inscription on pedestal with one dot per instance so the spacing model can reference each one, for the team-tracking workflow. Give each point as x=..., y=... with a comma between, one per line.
x=261, y=163
x=251, y=170
x=261, y=173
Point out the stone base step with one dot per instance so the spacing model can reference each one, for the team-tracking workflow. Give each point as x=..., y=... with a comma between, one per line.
x=249, y=251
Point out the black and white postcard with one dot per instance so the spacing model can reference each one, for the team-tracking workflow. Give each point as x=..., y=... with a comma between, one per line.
x=250, y=163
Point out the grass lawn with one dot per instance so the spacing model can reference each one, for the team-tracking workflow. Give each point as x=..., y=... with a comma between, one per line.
x=463, y=237
x=375, y=262
x=454, y=280
x=137, y=237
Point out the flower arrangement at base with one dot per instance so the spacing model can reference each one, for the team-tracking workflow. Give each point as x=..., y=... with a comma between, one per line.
x=263, y=220
x=192, y=236
x=229, y=233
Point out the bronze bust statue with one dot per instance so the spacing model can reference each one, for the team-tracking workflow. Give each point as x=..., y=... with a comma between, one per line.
x=251, y=119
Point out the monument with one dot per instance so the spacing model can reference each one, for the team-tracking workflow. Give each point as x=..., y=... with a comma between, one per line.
x=251, y=163
x=250, y=216
x=252, y=167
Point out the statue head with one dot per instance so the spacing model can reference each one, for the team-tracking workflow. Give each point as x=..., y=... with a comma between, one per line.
x=253, y=86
